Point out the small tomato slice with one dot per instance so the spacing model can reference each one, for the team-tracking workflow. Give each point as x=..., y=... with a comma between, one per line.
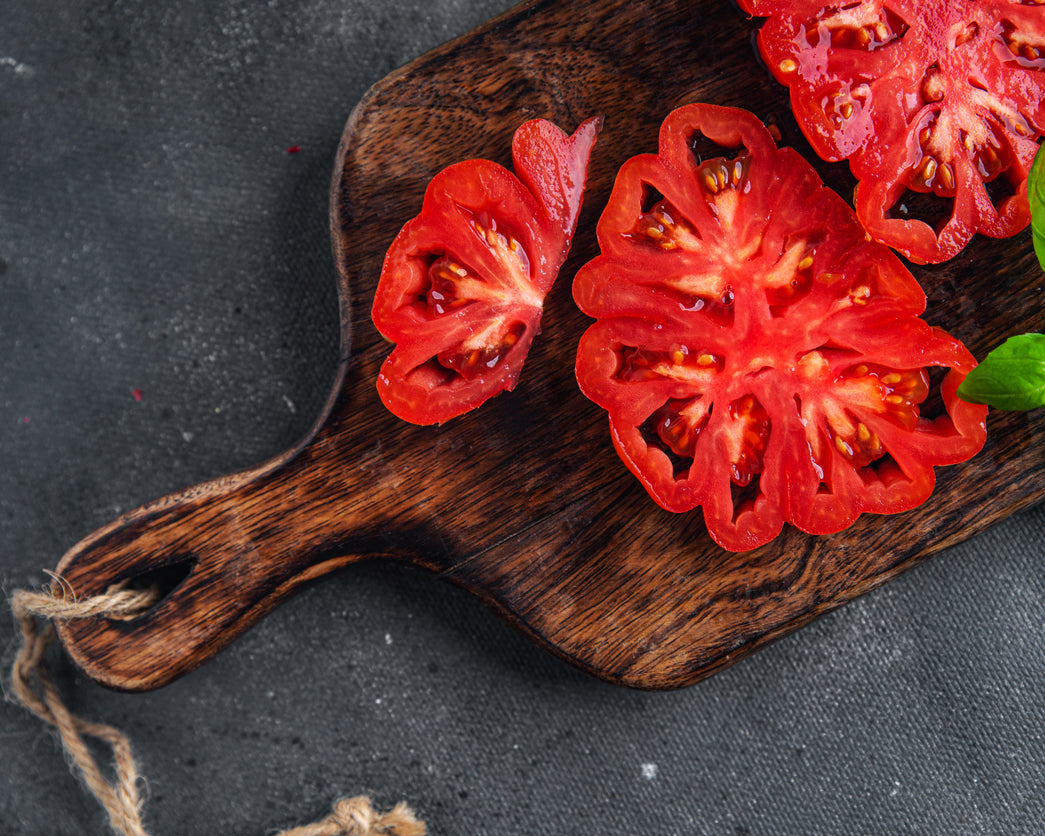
x=937, y=104
x=757, y=354
x=462, y=287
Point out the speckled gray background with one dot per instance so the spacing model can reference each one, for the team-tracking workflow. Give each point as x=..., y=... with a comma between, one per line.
x=155, y=235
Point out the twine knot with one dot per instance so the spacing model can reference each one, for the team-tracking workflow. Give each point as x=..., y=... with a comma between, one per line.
x=356, y=817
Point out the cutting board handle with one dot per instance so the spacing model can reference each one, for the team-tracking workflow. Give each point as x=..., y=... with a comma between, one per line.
x=221, y=555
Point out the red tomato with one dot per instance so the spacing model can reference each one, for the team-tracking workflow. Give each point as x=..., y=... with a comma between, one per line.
x=758, y=355
x=937, y=104
x=463, y=284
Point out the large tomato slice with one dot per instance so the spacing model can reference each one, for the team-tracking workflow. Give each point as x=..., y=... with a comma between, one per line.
x=462, y=287
x=758, y=355
x=937, y=104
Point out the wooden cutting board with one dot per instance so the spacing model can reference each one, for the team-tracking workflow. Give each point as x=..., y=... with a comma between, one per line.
x=524, y=501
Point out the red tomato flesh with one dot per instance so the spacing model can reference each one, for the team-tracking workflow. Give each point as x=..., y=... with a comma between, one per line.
x=937, y=104
x=462, y=287
x=758, y=356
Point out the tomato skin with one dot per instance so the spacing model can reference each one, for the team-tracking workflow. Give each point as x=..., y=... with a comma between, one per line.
x=463, y=284
x=947, y=100
x=757, y=355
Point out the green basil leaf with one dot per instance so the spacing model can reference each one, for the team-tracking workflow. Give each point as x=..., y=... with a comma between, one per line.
x=1036, y=196
x=1010, y=377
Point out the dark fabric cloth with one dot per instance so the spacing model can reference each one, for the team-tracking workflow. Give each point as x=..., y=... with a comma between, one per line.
x=168, y=315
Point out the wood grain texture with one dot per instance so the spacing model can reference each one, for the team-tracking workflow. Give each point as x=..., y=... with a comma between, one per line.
x=523, y=501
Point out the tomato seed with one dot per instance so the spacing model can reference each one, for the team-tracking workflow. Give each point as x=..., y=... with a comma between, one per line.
x=929, y=170
x=971, y=31
x=947, y=176
x=859, y=295
x=932, y=85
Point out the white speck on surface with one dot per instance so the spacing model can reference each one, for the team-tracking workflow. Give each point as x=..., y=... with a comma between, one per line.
x=290, y=404
x=19, y=68
x=895, y=790
x=388, y=638
x=649, y=771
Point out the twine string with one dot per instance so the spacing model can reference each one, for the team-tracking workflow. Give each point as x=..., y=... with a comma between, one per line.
x=33, y=687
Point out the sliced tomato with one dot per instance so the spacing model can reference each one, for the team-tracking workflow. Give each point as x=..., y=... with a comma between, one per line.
x=757, y=354
x=462, y=287
x=937, y=104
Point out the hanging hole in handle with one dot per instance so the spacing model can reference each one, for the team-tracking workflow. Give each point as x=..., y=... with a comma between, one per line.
x=160, y=582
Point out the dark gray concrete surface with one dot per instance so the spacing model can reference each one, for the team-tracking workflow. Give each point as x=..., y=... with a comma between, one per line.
x=155, y=235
